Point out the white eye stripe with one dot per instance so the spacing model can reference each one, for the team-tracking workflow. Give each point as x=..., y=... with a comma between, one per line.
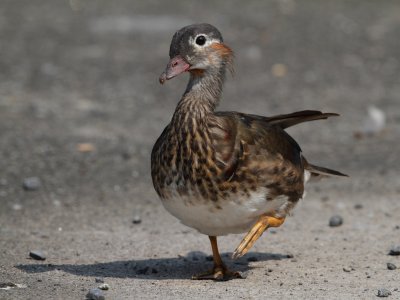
x=209, y=41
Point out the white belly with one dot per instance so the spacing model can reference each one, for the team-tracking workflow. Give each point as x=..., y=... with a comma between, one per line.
x=233, y=216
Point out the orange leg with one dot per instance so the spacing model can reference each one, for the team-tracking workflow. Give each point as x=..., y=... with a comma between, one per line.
x=263, y=223
x=219, y=271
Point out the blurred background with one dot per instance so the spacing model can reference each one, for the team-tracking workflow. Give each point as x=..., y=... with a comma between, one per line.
x=81, y=106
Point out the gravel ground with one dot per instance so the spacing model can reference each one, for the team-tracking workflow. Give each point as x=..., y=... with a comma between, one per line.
x=80, y=108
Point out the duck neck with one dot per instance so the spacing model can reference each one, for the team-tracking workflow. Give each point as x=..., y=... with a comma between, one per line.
x=202, y=94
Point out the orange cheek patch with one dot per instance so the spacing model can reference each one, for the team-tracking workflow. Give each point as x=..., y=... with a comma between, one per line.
x=222, y=49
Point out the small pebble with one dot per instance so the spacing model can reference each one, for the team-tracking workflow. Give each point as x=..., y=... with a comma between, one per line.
x=104, y=287
x=31, y=183
x=252, y=258
x=10, y=285
x=5, y=285
x=383, y=293
x=347, y=269
x=391, y=266
x=16, y=206
x=358, y=206
x=335, y=221
x=279, y=70
x=95, y=294
x=136, y=220
x=85, y=147
x=395, y=250
x=374, y=122
x=243, y=275
x=99, y=280
x=38, y=255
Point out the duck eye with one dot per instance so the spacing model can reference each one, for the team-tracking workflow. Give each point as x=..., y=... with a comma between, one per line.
x=201, y=40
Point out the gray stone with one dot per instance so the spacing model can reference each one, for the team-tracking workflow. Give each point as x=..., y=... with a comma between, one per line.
x=243, y=274
x=37, y=254
x=383, y=292
x=391, y=266
x=335, y=221
x=347, y=269
x=95, y=294
x=31, y=183
x=5, y=285
x=395, y=250
x=104, y=287
x=136, y=220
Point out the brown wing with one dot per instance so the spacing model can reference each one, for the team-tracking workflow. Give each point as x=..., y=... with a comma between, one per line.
x=249, y=148
x=231, y=129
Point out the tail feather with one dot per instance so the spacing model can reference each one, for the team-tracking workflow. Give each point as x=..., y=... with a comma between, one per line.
x=317, y=171
x=295, y=118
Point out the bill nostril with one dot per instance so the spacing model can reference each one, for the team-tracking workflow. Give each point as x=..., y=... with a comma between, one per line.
x=174, y=64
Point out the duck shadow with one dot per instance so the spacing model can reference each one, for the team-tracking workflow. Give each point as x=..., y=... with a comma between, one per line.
x=182, y=267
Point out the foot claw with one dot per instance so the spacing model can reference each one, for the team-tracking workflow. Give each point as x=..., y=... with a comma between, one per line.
x=220, y=271
x=218, y=274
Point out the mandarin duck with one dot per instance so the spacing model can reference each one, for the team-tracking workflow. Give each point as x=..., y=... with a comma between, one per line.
x=225, y=172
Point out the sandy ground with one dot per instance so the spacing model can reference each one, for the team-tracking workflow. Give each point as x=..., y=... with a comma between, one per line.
x=76, y=72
